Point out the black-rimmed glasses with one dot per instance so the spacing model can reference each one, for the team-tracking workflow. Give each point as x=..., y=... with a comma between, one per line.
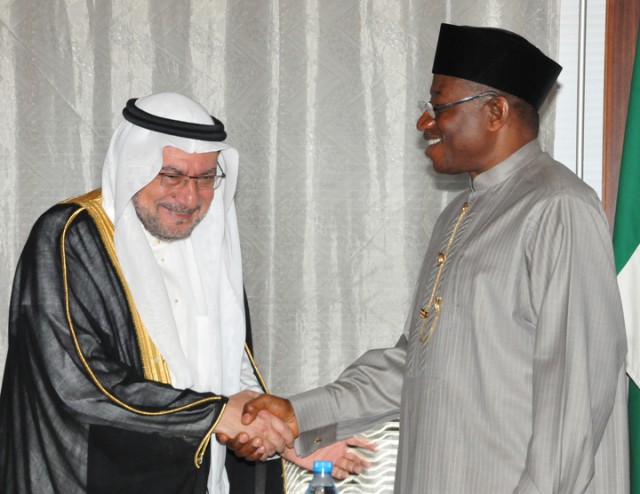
x=426, y=106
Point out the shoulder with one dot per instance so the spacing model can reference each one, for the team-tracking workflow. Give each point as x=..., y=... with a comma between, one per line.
x=67, y=217
x=561, y=206
x=548, y=184
x=552, y=179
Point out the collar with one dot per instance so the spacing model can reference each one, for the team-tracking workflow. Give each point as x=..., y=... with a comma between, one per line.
x=505, y=169
x=154, y=242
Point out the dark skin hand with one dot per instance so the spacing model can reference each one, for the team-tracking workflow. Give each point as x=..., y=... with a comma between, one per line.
x=251, y=449
x=344, y=454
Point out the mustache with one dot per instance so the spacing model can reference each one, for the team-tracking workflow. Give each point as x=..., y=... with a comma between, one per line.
x=179, y=208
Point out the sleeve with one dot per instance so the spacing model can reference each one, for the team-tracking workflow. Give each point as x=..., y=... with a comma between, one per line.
x=249, y=374
x=366, y=393
x=579, y=345
x=73, y=314
x=248, y=378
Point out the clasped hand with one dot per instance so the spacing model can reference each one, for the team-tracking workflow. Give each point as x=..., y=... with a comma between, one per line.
x=344, y=454
x=264, y=435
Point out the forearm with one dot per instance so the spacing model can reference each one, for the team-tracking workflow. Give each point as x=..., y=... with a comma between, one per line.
x=367, y=392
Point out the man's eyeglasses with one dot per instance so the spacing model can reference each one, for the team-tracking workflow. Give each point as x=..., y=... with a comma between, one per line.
x=204, y=182
x=426, y=106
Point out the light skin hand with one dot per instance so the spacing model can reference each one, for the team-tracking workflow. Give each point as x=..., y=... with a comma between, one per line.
x=264, y=407
x=344, y=454
x=264, y=436
x=243, y=447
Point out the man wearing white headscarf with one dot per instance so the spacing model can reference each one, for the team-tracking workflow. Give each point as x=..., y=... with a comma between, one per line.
x=127, y=326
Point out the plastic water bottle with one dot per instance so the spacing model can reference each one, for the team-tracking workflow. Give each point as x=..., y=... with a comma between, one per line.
x=322, y=482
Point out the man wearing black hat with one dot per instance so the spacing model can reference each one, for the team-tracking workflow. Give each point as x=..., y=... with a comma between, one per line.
x=509, y=377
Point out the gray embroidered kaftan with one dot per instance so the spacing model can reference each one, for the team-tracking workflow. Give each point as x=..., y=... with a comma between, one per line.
x=521, y=387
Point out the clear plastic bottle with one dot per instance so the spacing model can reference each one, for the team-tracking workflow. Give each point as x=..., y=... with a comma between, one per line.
x=322, y=482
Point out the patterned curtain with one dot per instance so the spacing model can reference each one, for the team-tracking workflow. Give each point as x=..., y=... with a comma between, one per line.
x=336, y=199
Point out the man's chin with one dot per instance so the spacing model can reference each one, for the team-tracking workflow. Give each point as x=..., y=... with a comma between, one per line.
x=438, y=168
x=166, y=228
x=171, y=234
x=435, y=162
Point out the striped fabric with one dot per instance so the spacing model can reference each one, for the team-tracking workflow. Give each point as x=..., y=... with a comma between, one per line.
x=377, y=479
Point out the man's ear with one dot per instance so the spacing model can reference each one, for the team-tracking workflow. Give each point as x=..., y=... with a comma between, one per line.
x=499, y=112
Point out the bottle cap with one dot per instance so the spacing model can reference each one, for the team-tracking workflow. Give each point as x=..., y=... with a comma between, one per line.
x=322, y=467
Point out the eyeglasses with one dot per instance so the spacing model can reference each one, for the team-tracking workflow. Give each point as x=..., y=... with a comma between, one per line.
x=426, y=106
x=203, y=182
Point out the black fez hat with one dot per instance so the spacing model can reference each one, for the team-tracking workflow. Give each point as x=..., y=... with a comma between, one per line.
x=497, y=58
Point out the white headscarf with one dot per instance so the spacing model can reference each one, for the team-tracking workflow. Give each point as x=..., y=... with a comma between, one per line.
x=133, y=160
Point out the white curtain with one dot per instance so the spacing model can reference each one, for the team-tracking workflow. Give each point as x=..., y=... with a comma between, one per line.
x=336, y=198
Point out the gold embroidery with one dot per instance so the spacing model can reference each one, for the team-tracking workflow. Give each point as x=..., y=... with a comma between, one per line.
x=154, y=366
x=435, y=303
x=92, y=203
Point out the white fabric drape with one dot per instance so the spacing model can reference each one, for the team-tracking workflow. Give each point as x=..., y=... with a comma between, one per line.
x=335, y=197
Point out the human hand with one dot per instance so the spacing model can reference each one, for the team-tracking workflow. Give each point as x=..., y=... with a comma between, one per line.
x=259, y=439
x=280, y=407
x=344, y=454
x=264, y=407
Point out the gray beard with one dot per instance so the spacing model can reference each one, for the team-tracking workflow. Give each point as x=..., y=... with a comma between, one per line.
x=153, y=225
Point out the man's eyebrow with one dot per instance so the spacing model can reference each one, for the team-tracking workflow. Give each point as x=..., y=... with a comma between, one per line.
x=178, y=171
x=172, y=169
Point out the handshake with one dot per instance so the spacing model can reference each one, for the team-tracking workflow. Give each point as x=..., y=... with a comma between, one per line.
x=257, y=426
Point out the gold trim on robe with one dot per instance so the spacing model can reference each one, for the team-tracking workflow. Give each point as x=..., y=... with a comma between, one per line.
x=154, y=365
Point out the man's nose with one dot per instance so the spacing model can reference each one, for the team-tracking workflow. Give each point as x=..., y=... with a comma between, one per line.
x=425, y=121
x=188, y=194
